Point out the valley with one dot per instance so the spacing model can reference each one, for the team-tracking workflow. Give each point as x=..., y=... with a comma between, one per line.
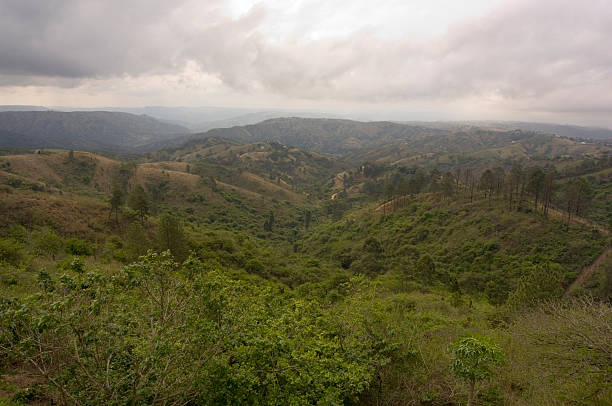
x=305, y=261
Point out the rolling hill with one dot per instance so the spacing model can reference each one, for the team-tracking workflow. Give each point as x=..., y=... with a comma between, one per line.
x=390, y=143
x=327, y=136
x=92, y=131
x=477, y=147
x=257, y=223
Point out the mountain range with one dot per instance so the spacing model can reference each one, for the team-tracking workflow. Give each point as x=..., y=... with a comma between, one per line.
x=93, y=131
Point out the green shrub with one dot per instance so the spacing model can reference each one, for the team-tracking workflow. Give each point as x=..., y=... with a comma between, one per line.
x=11, y=251
x=75, y=246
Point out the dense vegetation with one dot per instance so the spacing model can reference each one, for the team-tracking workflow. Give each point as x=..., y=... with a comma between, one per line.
x=226, y=273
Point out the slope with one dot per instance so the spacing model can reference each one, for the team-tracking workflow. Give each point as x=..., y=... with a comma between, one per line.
x=94, y=131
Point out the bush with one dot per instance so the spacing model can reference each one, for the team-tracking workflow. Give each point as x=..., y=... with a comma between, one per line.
x=47, y=242
x=11, y=251
x=210, y=339
x=75, y=246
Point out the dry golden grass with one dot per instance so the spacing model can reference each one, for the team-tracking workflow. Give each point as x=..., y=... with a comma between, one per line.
x=72, y=215
x=50, y=167
x=34, y=166
x=167, y=165
x=144, y=174
x=237, y=189
x=272, y=188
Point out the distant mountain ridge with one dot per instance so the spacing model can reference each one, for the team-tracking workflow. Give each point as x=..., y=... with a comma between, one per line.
x=322, y=135
x=562, y=130
x=93, y=131
x=388, y=143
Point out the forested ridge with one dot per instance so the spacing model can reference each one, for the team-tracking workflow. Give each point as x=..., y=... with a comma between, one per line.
x=402, y=270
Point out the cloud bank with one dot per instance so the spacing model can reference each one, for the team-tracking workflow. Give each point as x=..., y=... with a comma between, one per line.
x=547, y=55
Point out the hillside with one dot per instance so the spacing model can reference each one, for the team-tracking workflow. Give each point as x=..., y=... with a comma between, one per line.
x=562, y=130
x=328, y=136
x=219, y=183
x=481, y=148
x=246, y=272
x=389, y=143
x=94, y=131
x=289, y=167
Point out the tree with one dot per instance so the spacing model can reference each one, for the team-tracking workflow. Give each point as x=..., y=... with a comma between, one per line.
x=538, y=283
x=47, y=242
x=115, y=202
x=307, y=218
x=487, y=184
x=158, y=190
x=213, y=183
x=124, y=174
x=170, y=236
x=577, y=197
x=535, y=185
x=161, y=333
x=139, y=202
x=470, y=182
x=515, y=187
x=447, y=184
x=499, y=175
x=434, y=179
x=269, y=223
x=473, y=359
x=136, y=241
x=549, y=183
x=426, y=269
x=371, y=261
x=416, y=183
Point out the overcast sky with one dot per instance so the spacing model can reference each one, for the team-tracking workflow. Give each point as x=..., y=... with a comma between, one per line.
x=531, y=60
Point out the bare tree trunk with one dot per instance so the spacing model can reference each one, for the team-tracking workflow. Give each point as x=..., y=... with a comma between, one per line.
x=471, y=395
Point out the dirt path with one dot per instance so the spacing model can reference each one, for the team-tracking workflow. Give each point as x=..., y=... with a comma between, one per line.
x=577, y=220
x=588, y=271
x=392, y=205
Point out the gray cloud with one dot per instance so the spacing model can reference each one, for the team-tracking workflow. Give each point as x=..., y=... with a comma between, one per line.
x=552, y=55
x=87, y=38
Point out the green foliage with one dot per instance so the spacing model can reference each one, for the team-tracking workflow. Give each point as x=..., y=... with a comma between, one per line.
x=116, y=200
x=74, y=246
x=139, y=202
x=137, y=241
x=473, y=359
x=11, y=251
x=47, y=242
x=335, y=301
x=26, y=396
x=170, y=236
x=540, y=282
x=192, y=336
x=426, y=269
x=269, y=223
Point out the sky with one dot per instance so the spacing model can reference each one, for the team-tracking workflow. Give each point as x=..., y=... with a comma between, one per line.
x=529, y=60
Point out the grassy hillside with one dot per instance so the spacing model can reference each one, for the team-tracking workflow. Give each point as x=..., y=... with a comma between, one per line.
x=469, y=247
x=225, y=273
x=235, y=188
x=272, y=163
x=402, y=144
x=481, y=148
